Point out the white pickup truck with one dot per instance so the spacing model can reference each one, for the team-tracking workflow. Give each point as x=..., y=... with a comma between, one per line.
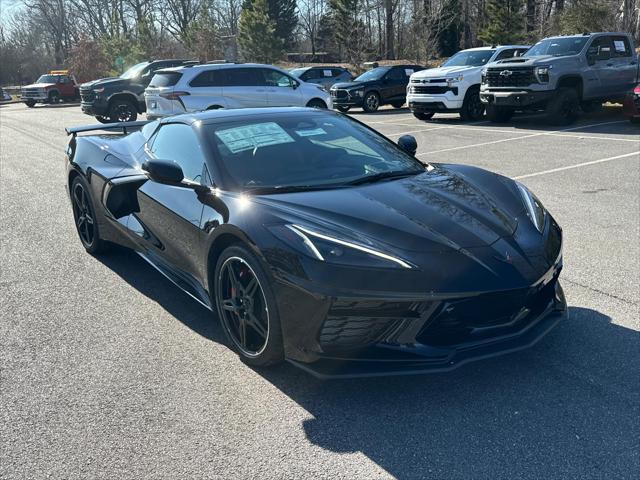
x=455, y=85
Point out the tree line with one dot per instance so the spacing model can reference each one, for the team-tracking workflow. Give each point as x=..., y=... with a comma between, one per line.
x=100, y=37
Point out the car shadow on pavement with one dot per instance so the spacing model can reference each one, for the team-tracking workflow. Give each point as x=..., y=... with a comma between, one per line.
x=566, y=408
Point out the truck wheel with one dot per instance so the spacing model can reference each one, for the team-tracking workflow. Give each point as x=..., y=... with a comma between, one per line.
x=423, y=115
x=371, y=102
x=563, y=108
x=122, y=110
x=499, y=114
x=397, y=104
x=342, y=108
x=30, y=103
x=591, y=107
x=472, y=107
x=54, y=97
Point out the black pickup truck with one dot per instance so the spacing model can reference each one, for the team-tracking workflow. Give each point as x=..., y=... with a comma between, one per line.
x=121, y=99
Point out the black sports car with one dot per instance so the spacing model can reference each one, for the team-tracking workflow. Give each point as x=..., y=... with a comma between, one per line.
x=320, y=241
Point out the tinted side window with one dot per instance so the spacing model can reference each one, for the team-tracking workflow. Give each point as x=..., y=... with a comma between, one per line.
x=600, y=44
x=179, y=143
x=621, y=47
x=395, y=74
x=337, y=72
x=244, y=77
x=210, y=78
x=306, y=75
x=165, y=79
x=275, y=78
x=509, y=53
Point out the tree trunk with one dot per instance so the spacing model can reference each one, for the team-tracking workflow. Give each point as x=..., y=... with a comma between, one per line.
x=389, y=11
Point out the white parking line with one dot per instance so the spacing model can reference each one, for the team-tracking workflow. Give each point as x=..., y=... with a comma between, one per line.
x=441, y=127
x=578, y=165
x=519, y=138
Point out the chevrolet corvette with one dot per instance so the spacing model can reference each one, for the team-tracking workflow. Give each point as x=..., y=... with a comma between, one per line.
x=319, y=241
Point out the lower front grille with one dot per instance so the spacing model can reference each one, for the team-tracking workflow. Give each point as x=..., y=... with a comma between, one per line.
x=341, y=94
x=433, y=89
x=484, y=317
x=87, y=96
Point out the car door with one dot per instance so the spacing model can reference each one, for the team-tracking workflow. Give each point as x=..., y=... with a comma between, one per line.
x=625, y=64
x=282, y=90
x=602, y=83
x=171, y=214
x=244, y=87
x=394, y=84
x=205, y=91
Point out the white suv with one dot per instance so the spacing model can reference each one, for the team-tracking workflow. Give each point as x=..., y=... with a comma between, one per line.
x=210, y=86
x=455, y=85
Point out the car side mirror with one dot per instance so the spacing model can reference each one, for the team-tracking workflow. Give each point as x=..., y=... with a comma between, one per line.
x=408, y=143
x=164, y=171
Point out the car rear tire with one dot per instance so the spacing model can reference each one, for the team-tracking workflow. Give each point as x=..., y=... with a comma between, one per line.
x=122, y=110
x=591, y=106
x=103, y=119
x=423, y=115
x=499, y=114
x=30, y=103
x=563, y=108
x=247, y=307
x=472, y=107
x=317, y=103
x=343, y=109
x=85, y=218
x=397, y=105
x=371, y=102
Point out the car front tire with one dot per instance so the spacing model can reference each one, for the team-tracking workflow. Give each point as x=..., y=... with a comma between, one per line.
x=30, y=103
x=84, y=217
x=472, y=107
x=317, y=103
x=563, y=108
x=342, y=109
x=499, y=114
x=423, y=115
x=371, y=102
x=123, y=111
x=247, y=307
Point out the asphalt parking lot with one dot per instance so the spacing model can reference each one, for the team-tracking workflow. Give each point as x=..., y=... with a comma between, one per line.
x=108, y=371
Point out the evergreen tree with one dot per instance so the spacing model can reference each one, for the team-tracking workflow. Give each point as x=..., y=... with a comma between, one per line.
x=505, y=22
x=256, y=34
x=284, y=16
x=350, y=31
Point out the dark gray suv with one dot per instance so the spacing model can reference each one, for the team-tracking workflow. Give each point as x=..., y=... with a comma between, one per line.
x=561, y=76
x=323, y=76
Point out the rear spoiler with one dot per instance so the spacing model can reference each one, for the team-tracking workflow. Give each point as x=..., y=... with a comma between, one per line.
x=124, y=126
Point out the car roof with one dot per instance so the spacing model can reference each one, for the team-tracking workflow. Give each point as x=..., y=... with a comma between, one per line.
x=495, y=47
x=201, y=67
x=585, y=35
x=222, y=114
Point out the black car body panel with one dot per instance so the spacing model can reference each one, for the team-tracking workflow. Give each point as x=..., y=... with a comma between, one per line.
x=96, y=95
x=484, y=282
x=391, y=87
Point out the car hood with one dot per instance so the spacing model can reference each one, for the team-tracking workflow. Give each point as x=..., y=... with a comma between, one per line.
x=39, y=85
x=103, y=82
x=444, y=71
x=348, y=85
x=527, y=61
x=438, y=210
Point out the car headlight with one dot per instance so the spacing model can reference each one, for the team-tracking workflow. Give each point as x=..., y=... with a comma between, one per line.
x=358, y=92
x=331, y=249
x=542, y=73
x=483, y=75
x=452, y=80
x=98, y=90
x=535, y=210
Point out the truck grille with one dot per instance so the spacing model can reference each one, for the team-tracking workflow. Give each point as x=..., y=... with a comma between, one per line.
x=87, y=95
x=339, y=94
x=31, y=92
x=510, y=77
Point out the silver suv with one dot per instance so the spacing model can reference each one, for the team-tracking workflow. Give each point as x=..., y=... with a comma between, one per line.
x=210, y=86
x=561, y=75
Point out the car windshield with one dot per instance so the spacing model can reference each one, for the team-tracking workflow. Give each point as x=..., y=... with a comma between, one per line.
x=134, y=71
x=303, y=151
x=48, y=79
x=558, y=47
x=296, y=72
x=469, y=58
x=375, y=74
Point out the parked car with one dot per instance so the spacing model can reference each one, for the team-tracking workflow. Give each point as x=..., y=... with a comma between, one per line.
x=454, y=87
x=121, y=99
x=631, y=105
x=320, y=241
x=228, y=85
x=375, y=87
x=324, y=76
x=4, y=96
x=560, y=76
x=53, y=87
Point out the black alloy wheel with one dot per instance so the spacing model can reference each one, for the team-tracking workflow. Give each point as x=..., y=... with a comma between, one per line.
x=342, y=108
x=102, y=119
x=246, y=307
x=472, y=107
x=371, y=102
x=54, y=98
x=84, y=216
x=563, y=108
x=123, y=111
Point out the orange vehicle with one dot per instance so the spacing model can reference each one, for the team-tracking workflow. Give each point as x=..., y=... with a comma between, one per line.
x=53, y=87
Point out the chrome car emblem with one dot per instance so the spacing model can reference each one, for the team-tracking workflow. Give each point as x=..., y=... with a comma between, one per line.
x=505, y=73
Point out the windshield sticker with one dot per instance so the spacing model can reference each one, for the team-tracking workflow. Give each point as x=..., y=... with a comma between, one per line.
x=408, y=71
x=254, y=136
x=327, y=73
x=619, y=44
x=311, y=132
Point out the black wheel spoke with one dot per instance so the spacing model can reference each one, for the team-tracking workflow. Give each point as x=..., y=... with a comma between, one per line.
x=242, y=330
x=257, y=326
x=251, y=288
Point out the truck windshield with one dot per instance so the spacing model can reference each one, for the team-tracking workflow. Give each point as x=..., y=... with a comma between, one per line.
x=469, y=58
x=48, y=79
x=558, y=47
x=134, y=71
x=375, y=74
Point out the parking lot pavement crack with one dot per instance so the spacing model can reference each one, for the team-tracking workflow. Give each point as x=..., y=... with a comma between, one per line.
x=602, y=292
